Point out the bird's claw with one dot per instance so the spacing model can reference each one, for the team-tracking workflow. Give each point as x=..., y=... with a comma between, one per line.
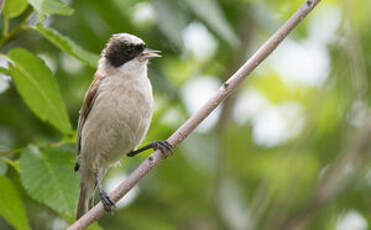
x=108, y=204
x=163, y=146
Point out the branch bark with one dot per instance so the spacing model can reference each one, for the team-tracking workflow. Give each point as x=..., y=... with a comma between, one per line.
x=179, y=135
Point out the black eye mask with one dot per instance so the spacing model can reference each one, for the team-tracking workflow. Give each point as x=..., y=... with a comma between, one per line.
x=119, y=52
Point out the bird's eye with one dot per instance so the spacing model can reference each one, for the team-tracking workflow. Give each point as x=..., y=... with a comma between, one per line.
x=130, y=50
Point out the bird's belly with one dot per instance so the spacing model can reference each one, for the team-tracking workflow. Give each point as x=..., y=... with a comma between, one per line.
x=121, y=119
x=126, y=129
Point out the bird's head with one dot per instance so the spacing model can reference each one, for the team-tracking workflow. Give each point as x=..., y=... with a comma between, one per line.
x=124, y=48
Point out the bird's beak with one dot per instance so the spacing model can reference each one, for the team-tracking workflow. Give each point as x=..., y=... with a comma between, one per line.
x=149, y=53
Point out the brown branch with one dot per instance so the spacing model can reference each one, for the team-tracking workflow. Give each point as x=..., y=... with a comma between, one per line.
x=179, y=135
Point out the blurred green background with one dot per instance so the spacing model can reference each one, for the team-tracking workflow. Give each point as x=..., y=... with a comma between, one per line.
x=288, y=150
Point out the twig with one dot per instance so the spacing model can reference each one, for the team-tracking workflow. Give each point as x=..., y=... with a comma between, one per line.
x=6, y=26
x=7, y=36
x=14, y=151
x=179, y=135
x=14, y=164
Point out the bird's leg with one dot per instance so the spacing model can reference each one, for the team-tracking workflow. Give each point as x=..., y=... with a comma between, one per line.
x=106, y=200
x=163, y=146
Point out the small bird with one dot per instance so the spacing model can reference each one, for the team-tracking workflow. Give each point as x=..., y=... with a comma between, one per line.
x=115, y=115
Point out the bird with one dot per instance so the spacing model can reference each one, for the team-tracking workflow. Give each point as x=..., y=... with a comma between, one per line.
x=115, y=115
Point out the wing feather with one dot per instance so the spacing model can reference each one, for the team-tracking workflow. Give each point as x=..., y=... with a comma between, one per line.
x=88, y=104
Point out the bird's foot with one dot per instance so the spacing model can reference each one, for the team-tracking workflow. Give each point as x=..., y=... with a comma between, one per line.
x=163, y=146
x=108, y=204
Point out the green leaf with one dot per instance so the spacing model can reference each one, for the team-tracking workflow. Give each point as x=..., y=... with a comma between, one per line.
x=212, y=14
x=13, y=8
x=38, y=88
x=11, y=207
x=4, y=71
x=48, y=177
x=94, y=226
x=48, y=7
x=3, y=167
x=171, y=20
x=68, y=46
x=280, y=93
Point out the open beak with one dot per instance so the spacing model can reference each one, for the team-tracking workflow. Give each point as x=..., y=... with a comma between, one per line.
x=149, y=53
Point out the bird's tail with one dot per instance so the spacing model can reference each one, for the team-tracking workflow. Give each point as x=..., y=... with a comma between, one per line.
x=86, y=198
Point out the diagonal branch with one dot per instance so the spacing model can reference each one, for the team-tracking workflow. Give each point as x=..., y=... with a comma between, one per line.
x=179, y=135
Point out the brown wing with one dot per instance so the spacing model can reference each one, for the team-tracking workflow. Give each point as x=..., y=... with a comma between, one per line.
x=90, y=96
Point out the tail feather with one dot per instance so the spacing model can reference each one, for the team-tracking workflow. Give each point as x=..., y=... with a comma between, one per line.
x=86, y=198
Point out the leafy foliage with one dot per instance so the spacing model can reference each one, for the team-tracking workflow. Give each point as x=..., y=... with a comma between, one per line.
x=172, y=23
x=48, y=177
x=94, y=226
x=38, y=88
x=210, y=12
x=11, y=207
x=68, y=46
x=226, y=175
x=3, y=167
x=48, y=7
x=13, y=8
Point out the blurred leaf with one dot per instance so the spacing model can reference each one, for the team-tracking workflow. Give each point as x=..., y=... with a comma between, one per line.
x=280, y=92
x=286, y=7
x=38, y=88
x=171, y=20
x=48, y=177
x=11, y=207
x=127, y=5
x=13, y=8
x=358, y=13
x=153, y=220
x=94, y=226
x=328, y=114
x=190, y=178
x=48, y=7
x=179, y=70
x=14, y=164
x=212, y=14
x=68, y=46
x=3, y=167
x=300, y=169
x=4, y=70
